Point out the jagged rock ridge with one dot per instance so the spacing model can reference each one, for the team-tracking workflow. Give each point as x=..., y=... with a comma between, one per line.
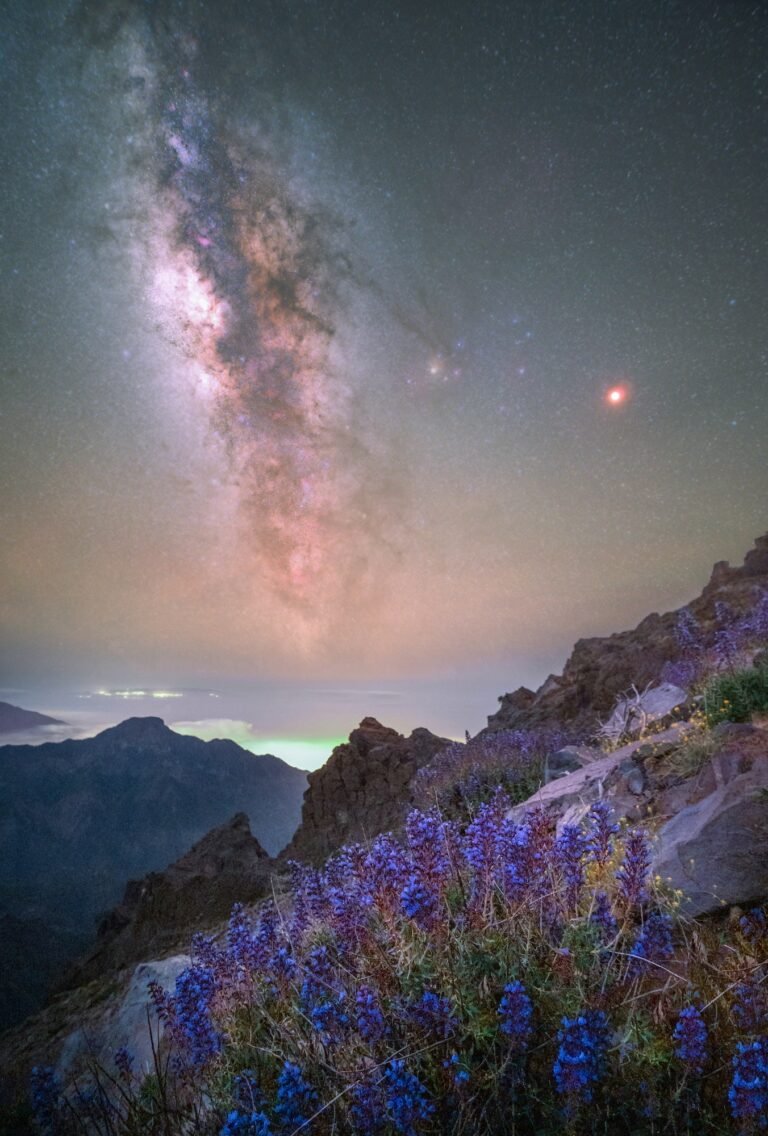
x=160, y=912
x=601, y=668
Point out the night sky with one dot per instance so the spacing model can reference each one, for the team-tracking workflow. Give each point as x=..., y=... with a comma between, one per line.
x=359, y=358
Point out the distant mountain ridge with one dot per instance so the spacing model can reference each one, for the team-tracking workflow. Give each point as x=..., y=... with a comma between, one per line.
x=14, y=718
x=78, y=819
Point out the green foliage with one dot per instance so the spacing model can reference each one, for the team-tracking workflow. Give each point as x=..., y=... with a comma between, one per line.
x=733, y=696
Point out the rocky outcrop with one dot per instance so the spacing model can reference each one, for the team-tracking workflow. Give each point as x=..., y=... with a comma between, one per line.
x=599, y=775
x=363, y=789
x=709, y=823
x=715, y=846
x=84, y=1026
x=160, y=912
x=103, y=1029
x=599, y=670
x=14, y=719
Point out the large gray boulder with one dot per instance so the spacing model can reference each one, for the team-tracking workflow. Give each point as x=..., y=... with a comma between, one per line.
x=715, y=850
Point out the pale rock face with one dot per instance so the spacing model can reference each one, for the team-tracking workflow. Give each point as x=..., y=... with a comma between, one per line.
x=122, y=1022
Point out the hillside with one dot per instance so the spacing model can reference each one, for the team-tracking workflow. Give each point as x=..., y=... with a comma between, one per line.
x=601, y=668
x=78, y=819
x=15, y=718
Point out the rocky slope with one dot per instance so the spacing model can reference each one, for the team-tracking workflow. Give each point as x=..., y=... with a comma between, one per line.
x=363, y=788
x=161, y=912
x=599, y=669
x=80, y=818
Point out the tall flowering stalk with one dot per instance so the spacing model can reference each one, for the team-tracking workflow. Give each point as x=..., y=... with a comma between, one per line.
x=748, y=1094
x=632, y=876
x=690, y=1037
x=601, y=832
x=516, y=1016
x=581, y=1056
x=570, y=849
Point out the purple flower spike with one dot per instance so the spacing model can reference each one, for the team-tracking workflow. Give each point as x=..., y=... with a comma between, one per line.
x=690, y=1038
x=632, y=876
x=748, y=1094
x=600, y=832
x=653, y=943
x=581, y=1056
x=515, y=1013
x=570, y=849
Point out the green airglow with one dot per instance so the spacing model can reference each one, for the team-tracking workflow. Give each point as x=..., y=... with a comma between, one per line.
x=304, y=753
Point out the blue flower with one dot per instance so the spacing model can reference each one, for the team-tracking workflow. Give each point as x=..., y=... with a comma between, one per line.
x=653, y=943
x=419, y=902
x=123, y=1060
x=690, y=1038
x=753, y=925
x=516, y=1014
x=434, y=1014
x=45, y=1093
x=600, y=832
x=246, y=1124
x=749, y=1007
x=748, y=1094
x=603, y=918
x=632, y=876
x=460, y=1072
x=296, y=1099
x=406, y=1098
x=569, y=850
x=370, y=1019
x=581, y=1056
x=367, y=1109
x=191, y=1004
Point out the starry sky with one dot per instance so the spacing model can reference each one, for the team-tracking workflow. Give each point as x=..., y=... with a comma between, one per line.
x=359, y=358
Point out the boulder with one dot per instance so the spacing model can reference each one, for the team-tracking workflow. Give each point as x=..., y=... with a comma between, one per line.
x=715, y=848
x=603, y=777
x=122, y=1021
x=565, y=760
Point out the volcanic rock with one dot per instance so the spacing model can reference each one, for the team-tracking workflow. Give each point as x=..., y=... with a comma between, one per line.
x=715, y=848
x=363, y=789
x=160, y=912
x=600, y=670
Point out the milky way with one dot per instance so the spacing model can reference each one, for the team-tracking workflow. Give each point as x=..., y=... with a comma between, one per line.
x=310, y=315
x=248, y=274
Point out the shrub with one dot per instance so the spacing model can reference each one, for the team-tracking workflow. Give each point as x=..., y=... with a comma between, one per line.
x=730, y=645
x=734, y=696
x=466, y=775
